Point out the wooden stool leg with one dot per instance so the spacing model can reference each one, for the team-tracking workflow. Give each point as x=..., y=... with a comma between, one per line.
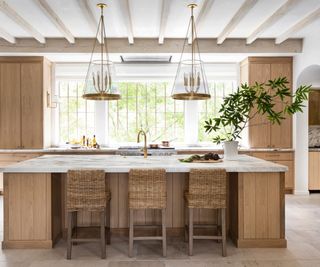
x=190, y=231
x=224, y=237
x=185, y=225
x=164, y=233
x=103, y=234
x=108, y=225
x=75, y=222
x=69, y=235
x=131, y=233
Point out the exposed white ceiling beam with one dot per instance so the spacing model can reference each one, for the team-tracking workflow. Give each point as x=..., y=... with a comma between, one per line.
x=240, y=14
x=45, y=7
x=126, y=15
x=5, y=35
x=87, y=12
x=311, y=17
x=150, y=45
x=12, y=14
x=164, y=19
x=206, y=5
x=278, y=14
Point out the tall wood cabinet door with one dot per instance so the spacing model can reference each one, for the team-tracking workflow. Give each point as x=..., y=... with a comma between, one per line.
x=314, y=107
x=10, y=112
x=314, y=170
x=259, y=126
x=281, y=135
x=31, y=104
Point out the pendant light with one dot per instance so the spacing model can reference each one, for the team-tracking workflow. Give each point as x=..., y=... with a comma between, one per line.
x=99, y=84
x=190, y=81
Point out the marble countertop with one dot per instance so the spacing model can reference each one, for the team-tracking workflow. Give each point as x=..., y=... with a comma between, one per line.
x=122, y=164
x=314, y=149
x=112, y=150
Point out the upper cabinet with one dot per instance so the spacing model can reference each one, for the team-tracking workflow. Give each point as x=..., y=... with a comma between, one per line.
x=262, y=133
x=24, y=115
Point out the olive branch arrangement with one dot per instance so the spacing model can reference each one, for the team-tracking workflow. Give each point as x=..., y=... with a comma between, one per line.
x=240, y=107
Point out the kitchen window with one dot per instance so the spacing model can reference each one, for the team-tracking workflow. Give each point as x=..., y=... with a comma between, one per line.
x=76, y=115
x=145, y=102
x=148, y=105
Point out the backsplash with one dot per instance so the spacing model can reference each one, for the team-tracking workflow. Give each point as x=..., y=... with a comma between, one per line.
x=314, y=135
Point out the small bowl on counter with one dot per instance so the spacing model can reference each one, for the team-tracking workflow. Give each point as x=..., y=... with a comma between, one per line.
x=165, y=143
x=154, y=146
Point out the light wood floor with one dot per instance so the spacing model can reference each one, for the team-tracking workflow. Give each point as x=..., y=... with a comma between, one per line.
x=302, y=231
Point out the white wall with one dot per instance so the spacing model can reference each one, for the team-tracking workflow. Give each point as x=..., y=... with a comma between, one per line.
x=309, y=57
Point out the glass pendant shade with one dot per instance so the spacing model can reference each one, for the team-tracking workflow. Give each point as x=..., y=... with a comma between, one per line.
x=190, y=81
x=100, y=79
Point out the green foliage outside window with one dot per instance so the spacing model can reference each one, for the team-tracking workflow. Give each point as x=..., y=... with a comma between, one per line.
x=146, y=105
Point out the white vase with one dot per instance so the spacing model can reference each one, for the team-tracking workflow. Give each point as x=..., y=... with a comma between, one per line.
x=230, y=149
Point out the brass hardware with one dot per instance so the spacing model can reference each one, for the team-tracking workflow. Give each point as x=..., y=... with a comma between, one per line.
x=191, y=96
x=102, y=5
x=145, y=149
x=193, y=5
x=99, y=84
x=50, y=103
x=101, y=96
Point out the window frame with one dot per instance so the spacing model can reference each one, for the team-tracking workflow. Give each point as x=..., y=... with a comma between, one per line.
x=191, y=111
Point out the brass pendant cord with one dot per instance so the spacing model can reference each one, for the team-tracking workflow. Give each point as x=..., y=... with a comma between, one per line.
x=103, y=89
x=104, y=44
x=193, y=91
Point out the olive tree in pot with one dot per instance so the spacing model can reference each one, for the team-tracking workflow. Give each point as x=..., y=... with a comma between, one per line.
x=240, y=107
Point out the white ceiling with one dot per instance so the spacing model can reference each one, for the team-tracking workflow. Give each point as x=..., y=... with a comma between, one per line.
x=146, y=17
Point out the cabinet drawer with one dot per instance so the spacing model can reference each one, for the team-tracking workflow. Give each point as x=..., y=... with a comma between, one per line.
x=274, y=156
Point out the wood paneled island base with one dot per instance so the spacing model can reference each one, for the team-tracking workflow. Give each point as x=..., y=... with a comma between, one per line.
x=35, y=216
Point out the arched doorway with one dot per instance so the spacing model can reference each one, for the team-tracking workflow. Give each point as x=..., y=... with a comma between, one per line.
x=309, y=76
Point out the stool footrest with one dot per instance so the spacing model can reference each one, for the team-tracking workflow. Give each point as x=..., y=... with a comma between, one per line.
x=212, y=237
x=148, y=238
x=147, y=226
x=85, y=240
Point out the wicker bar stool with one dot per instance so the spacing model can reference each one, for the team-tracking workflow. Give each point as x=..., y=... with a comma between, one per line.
x=86, y=191
x=147, y=190
x=206, y=190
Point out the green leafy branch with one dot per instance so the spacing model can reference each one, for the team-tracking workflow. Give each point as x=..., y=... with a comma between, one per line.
x=272, y=99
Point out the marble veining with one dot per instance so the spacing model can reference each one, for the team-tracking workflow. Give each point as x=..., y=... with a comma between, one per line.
x=314, y=135
x=122, y=164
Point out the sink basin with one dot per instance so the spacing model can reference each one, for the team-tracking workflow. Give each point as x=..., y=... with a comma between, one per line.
x=151, y=152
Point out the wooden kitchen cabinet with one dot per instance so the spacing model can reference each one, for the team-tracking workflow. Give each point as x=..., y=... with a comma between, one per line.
x=283, y=158
x=262, y=133
x=7, y=159
x=314, y=170
x=281, y=135
x=23, y=102
x=259, y=125
x=314, y=107
x=10, y=126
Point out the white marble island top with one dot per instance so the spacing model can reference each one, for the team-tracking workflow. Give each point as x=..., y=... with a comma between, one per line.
x=121, y=164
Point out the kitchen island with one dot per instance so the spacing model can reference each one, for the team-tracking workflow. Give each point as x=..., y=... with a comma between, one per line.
x=34, y=198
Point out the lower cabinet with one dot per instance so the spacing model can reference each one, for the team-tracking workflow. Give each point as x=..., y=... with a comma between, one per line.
x=7, y=159
x=314, y=170
x=283, y=158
